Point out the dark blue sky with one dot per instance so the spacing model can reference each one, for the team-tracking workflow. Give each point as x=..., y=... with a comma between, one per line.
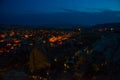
x=45, y=12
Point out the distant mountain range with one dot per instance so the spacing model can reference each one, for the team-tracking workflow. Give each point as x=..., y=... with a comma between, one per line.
x=115, y=25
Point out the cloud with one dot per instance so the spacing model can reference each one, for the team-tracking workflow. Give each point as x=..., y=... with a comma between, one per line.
x=96, y=9
x=67, y=17
x=69, y=10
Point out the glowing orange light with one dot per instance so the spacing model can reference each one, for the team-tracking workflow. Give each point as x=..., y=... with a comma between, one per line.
x=2, y=40
x=2, y=35
x=64, y=38
x=26, y=36
x=12, y=33
x=9, y=44
x=53, y=39
x=30, y=35
x=12, y=47
x=31, y=44
x=1, y=51
x=59, y=37
x=16, y=41
x=44, y=41
x=111, y=29
x=79, y=29
x=60, y=43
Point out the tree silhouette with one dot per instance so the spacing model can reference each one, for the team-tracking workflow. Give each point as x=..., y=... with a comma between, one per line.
x=37, y=60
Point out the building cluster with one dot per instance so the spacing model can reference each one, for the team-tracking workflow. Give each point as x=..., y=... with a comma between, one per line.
x=50, y=54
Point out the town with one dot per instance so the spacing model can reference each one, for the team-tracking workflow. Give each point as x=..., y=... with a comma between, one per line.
x=44, y=53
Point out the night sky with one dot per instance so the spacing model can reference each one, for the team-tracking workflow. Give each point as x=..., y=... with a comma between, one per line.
x=59, y=12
